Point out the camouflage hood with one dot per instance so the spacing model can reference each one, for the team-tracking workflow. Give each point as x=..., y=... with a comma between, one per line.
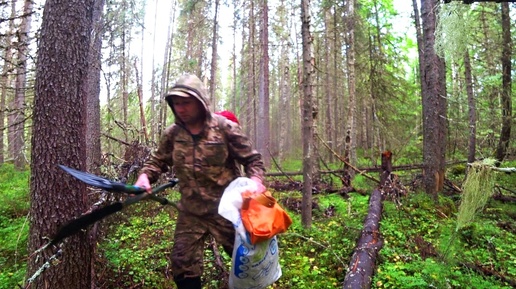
x=186, y=86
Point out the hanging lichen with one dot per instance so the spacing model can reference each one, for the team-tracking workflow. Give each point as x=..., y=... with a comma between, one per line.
x=452, y=30
x=476, y=190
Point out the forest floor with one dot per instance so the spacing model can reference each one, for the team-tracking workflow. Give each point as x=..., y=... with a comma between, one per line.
x=421, y=246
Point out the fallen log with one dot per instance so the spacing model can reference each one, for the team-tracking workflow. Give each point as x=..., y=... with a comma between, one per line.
x=363, y=260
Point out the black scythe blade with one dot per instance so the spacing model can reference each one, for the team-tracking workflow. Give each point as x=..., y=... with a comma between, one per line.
x=102, y=183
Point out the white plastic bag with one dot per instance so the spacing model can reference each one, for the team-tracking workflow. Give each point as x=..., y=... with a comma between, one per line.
x=253, y=266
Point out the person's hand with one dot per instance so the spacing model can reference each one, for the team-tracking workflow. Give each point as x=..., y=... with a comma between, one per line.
x=143, y=182
x=260, y=187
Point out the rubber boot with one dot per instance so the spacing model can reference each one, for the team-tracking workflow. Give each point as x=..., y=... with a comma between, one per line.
x=188, y=283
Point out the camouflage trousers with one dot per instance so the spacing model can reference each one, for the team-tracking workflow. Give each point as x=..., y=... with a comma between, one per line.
x=190, y=234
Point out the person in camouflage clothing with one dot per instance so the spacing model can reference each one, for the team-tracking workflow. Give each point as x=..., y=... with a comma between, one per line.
x=205, y=150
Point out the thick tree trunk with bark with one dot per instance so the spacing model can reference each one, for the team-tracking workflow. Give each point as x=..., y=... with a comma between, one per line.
x=59, y=138
x=434, y=103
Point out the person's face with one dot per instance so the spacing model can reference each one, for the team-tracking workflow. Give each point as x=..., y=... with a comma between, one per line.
x=187, y=109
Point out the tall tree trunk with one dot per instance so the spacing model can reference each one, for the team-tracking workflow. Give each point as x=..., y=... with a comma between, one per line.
x=251, y=69
x=337, y=122
x=6, y=78
x=233, y=103
x=93, y=149
x=472, y=110
x=59, y=138
x=419, y=39
x=505, y=100
x=434, y=104
x=284, y=85
x=328, y=87
x=214, y=42
x=143, y=121
x=152, y=99
x=263, y=128
x=350, y=152
x=162, y=123
x=491, y=65
x=124, y=80
x=307, y=123
x=20, y=88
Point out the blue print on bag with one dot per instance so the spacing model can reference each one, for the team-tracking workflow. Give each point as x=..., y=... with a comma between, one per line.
x=244, y=259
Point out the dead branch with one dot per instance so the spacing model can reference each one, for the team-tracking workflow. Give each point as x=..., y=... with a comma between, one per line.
x=347, y=163
x=488, y=271
x=116, y=139
x=507, y=189
x=277, y=166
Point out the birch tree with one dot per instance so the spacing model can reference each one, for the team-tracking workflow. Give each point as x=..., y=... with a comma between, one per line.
x=6, y=77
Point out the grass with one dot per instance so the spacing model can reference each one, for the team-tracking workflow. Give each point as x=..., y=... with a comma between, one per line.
x=422, y=248
x=14, y=207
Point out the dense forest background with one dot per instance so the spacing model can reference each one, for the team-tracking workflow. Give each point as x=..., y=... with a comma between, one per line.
x=329, y=84
x=382, y=102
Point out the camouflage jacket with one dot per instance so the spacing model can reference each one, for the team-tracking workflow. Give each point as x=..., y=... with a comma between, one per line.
x=204, y=165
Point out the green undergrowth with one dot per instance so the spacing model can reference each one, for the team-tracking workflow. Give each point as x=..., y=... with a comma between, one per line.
x=318, y=257
x=422, y=247
x=14, y=207
x=137, y=250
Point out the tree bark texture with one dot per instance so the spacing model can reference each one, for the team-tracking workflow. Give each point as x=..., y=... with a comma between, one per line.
x=307, y=123
x=263, y=129
x=505, y=100
x=434, y=103
x=351, y=134
x=59, y=138
x=213, y=67
x=93, y=150
x=472, y=108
